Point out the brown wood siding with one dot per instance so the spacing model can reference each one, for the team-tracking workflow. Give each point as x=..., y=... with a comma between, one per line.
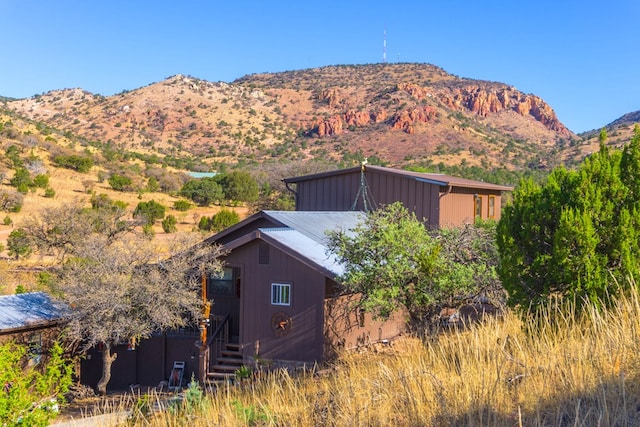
x=304, y=342
x=347, y=327
x=339, y=192
x=332, y=193
x=458, y=206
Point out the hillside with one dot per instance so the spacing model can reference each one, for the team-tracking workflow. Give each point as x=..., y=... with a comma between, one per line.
x=397, y=114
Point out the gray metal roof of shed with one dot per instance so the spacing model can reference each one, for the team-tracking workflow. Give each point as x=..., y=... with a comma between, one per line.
x=32, y=309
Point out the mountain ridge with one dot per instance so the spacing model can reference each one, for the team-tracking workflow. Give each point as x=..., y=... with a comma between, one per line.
x=399, y=114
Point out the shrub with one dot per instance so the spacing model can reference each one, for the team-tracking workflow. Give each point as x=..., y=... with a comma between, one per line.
x=21, y=179
x=120, y=182
x=11, y=201
x=41, y=181
x=31, y=396
x=169, y=224
x=149, y=211
x=223, y=219
x=19, y=243
x=74, y=162
x=182, y=205
x=49, y=192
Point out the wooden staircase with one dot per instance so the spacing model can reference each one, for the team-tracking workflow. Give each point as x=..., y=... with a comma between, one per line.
x=226, y=365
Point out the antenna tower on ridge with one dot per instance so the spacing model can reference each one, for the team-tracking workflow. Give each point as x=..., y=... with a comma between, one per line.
x=384, y=47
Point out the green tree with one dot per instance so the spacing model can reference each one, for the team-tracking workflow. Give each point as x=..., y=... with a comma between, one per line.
x=203, y=191
x=577, y=233
x=391, y=261
x=149, y=211
x=19, y=243
x=41, y=181
x=31, y=394
x=239, y=186
x=223, y=219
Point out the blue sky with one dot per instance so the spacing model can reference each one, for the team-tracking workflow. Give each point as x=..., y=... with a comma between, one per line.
x=579, y=56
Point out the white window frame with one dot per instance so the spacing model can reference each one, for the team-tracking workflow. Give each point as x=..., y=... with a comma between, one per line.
x=280, y=292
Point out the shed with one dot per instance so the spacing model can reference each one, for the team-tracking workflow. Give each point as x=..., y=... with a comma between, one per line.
x=441, y=200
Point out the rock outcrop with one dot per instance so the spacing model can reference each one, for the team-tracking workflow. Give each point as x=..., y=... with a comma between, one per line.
x=407, y=119
x=486, y=101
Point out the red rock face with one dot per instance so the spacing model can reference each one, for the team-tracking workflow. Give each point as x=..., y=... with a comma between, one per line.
x=413, y=89
x=483, y=102
x=331, y=126
x=357, y=118
x=407, y=119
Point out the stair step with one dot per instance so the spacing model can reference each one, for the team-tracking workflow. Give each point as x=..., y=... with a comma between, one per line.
x=230, y=353
x=232, y=346
x=220, y=376
x=225, y=368
x=229, y=361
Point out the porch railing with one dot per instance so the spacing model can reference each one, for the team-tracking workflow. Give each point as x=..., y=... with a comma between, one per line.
x=218, y=338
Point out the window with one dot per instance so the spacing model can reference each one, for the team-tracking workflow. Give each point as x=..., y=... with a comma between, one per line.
x=478, y=201
x=221, y=283
x=280, y=294
x=492, y=206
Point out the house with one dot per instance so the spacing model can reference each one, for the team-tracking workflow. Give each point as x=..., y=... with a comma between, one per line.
x=277, y=299
x=280, y=292
x=33, y=319
x=442, y=200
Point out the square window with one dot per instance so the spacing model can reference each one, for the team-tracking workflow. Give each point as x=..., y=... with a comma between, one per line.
x=280, y=294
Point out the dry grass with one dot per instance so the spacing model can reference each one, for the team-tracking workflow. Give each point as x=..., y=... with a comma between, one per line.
x=559, y=370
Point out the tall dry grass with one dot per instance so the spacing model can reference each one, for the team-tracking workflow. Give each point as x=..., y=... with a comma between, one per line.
x=558, y=368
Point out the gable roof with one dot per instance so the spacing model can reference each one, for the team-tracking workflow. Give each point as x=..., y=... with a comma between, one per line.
x=302, y=235
x=434, y=178
x=30, y=310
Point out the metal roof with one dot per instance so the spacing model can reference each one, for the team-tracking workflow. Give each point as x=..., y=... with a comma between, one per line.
x=316, y=224
x=29, y=310
x=310, y=249
x=303, y=235
x=434, y=178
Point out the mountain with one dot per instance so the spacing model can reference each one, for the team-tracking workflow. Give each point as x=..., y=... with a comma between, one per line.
x=395, y=114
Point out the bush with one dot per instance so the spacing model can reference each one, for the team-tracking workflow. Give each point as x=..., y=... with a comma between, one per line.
x=150, y=211
x=21, y=180
x=120, y=182
x=31, y=396
x=182, y=205
x=169, y=224
x=11, y=201
x=223, y=219
x=19, y=243
x=74, y=162
x=49, y=192
x=41, y=181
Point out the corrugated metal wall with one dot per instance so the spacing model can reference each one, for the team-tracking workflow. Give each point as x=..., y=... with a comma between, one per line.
x=339, y=192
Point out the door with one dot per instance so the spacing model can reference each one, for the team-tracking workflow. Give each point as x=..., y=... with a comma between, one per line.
x=223, y=290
